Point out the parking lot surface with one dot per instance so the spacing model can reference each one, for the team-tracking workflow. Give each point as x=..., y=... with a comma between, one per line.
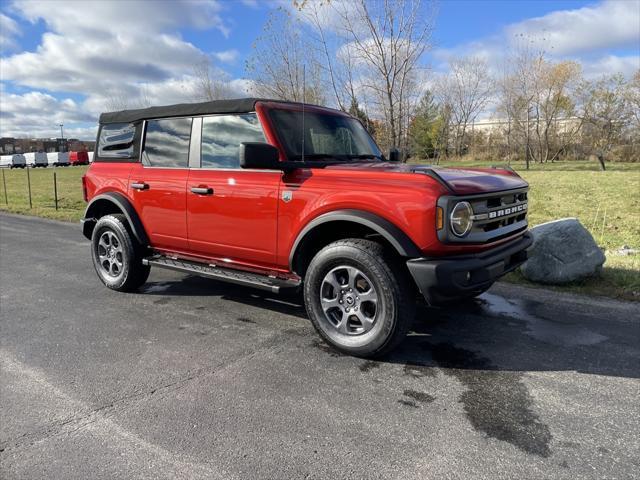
x=191, y=378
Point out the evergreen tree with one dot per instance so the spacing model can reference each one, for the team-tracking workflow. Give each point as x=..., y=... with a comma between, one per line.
x=425, y=128
x=356, y=111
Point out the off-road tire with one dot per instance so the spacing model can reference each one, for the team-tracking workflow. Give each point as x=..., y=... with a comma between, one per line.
x=132, y=274
x=396, y=296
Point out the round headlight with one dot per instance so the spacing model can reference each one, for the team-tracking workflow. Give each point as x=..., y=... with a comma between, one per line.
x=460, y=219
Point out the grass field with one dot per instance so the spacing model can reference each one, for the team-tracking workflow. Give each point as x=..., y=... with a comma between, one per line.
x=607, y=203
x=70, y=202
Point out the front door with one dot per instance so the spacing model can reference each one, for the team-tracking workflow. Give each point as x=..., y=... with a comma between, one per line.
x=231, y=212
x=158, y=184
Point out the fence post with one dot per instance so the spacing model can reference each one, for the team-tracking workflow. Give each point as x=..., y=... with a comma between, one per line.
x=55, y=188
x=4, y=184
x=29, y=185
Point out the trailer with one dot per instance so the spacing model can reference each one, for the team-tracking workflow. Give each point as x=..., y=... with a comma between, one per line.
x=18, y=161
x=40, y=160
x=58, y=159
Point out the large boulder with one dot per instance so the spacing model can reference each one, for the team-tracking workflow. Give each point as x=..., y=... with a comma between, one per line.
x=563, y=251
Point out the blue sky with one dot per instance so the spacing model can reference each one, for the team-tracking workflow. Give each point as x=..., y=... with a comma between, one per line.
x=62, y=60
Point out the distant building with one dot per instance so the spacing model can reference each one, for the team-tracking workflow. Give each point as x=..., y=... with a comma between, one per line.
x=499, y=125
x=10, y=145
x=7, y=145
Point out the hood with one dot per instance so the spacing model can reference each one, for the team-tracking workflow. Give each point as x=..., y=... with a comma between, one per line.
x=461, y=181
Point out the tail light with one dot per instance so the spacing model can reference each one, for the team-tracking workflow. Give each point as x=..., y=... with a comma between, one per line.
x=85, y=195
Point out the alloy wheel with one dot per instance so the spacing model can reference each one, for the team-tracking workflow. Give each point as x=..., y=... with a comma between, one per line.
x=110, y=254
x=349, y=300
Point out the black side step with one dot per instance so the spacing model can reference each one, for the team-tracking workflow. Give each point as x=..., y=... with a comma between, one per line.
x=263, y=282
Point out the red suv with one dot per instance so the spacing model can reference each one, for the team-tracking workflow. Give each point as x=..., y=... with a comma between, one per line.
x=277, y=195
x=78, y=158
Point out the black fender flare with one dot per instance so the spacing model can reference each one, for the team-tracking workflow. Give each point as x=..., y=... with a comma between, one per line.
x=390, y=232
x=124, y=205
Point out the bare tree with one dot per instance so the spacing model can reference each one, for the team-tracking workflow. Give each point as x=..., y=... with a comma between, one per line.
x=122, y=100
x=537, y=97
x=384, y=40
x=467, y=89
x=335, y=63
x=282, y=66
x=605, y=115
x=116, y=100
x=210, y=83
x=632, y=96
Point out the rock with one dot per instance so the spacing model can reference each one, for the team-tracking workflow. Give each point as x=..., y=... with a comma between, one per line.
x=563, y=251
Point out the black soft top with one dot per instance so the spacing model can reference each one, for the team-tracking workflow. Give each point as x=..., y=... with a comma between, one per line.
x=239, y=105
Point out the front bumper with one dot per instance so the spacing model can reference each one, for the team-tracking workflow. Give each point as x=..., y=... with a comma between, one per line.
x=459, y=276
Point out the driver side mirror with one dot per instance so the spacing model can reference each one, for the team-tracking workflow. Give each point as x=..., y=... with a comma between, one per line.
x=394, y=155
x=259, y=155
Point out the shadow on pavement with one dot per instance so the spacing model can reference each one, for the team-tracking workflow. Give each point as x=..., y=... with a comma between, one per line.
x=516, y=335
x=487, y=344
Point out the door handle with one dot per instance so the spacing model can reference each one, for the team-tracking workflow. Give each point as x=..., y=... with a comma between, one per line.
x=140, y=186
x=202, y=190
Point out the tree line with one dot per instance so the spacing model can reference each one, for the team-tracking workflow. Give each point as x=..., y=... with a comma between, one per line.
x=368, y=58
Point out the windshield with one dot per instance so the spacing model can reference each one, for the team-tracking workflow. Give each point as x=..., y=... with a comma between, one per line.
x=326, y=136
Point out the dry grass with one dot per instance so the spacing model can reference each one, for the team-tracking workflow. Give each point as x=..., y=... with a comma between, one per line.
x=70, y=202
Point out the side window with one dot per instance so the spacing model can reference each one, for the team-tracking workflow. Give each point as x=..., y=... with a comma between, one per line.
x=167, y=143
x=116, y=140
x=222, y=136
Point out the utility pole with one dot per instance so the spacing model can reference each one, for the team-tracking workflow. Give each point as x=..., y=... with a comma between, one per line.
x=61, y=137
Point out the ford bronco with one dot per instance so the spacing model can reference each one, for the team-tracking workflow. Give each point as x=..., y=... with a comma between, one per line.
x=278, y=196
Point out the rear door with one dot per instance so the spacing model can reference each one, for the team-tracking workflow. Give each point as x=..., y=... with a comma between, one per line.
x=157, y=185
x=231, y=212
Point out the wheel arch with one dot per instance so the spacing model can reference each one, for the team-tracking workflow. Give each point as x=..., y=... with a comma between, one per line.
x=341, y=224
x=113, y=202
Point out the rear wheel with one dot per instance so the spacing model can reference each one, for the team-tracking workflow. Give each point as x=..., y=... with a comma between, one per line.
x=358, y=298
x=116, y=256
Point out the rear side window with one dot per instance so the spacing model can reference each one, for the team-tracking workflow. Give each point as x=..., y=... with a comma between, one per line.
x=116, y=140
x=222, y=136
x=167, y=143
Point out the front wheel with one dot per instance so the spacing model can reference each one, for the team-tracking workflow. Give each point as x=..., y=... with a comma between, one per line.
x=116, y=256
x=358, y=298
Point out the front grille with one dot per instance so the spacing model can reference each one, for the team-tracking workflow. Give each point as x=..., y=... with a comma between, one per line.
x=496, y=216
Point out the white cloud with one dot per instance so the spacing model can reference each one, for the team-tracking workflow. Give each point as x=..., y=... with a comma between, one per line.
x=39, y=114
x=242, y=87
x=108, y=44
x=226, y=56
x=586, y=35
x=610, y=24
x=250, y=3
x=328, y=15
x=9, y=30
x=610, y=64
x=104, y=51
x=123, y=18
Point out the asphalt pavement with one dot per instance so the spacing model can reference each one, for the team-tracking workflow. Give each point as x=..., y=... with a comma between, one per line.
x=192, y=378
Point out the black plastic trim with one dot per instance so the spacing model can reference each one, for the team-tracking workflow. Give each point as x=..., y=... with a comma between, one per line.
x=396, y=237
x=123, y=204
x=446, y=276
